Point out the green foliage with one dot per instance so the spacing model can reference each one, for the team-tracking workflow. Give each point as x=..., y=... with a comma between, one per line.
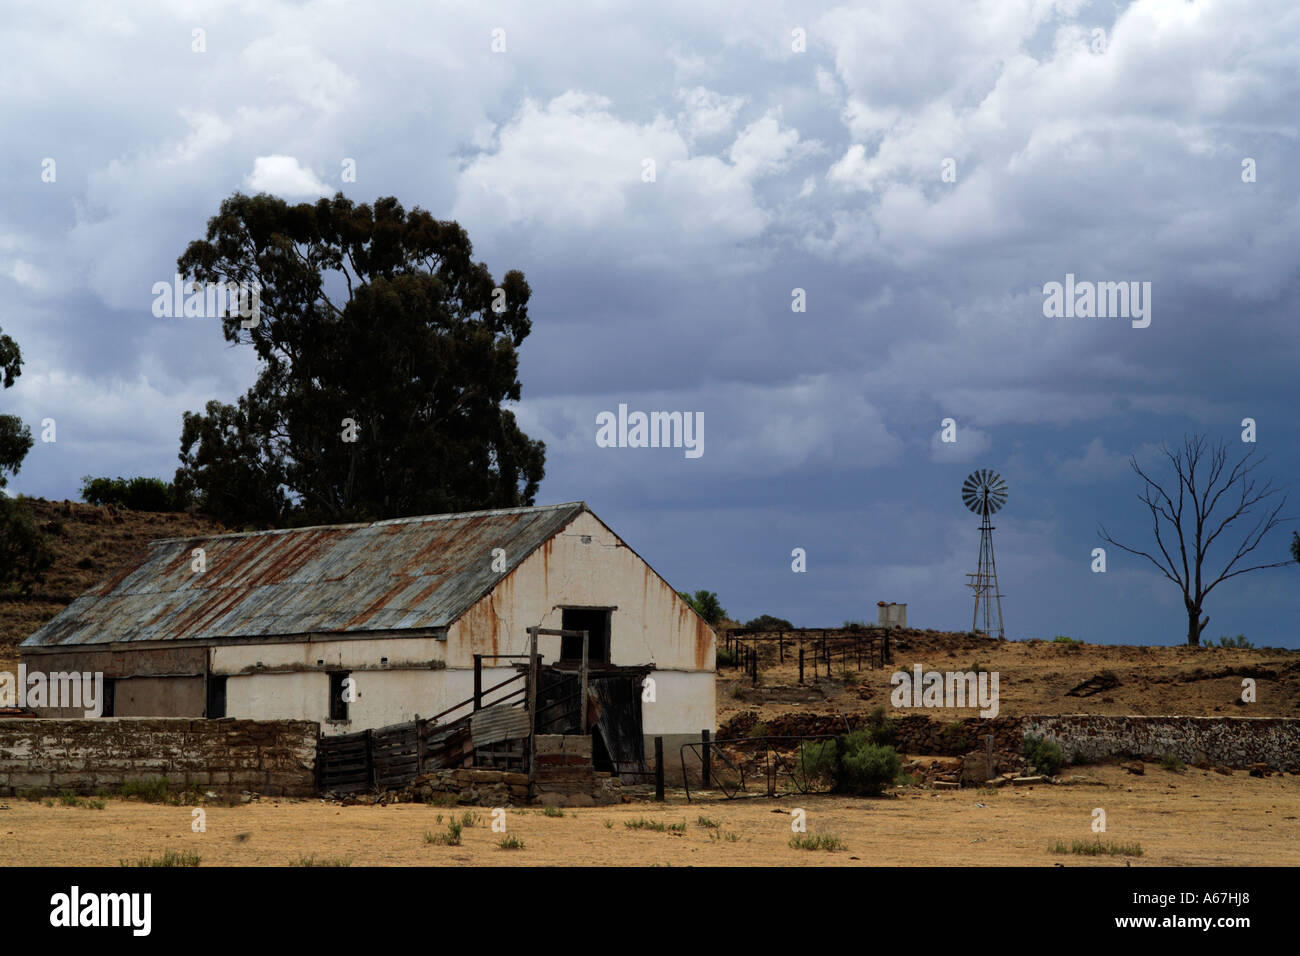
x=510, y=843
x=956, y=738
x=1172, y=764
x=169, y=858
x=867, y=769
x=552, y=812
x=707, y=822
x=766, y=622
x=1239, y=641
x=855, y=626
x=137, y=494
x=373, y=314
x=881, y=729
x=15, y=437
x=152, y=790
x=725, y=658
x=658, y=826
x=820, y=761
x=450, y=838
x=706, y=605
x=1043, y=754
x=1096, y=848
x=25, y=554
x=821, y=841
x=1295, y=546
x=321, y=861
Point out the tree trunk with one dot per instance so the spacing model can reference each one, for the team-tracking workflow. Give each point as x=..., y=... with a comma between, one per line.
x=1194, y=627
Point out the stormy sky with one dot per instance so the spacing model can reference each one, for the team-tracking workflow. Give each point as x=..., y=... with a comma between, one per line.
x=920, y=169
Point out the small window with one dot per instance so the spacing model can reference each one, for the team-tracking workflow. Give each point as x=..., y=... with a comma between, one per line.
x=593, y=620
x=338, y=700
x=216, y=697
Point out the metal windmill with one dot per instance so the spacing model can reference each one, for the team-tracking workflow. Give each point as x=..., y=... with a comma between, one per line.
x=985, y=493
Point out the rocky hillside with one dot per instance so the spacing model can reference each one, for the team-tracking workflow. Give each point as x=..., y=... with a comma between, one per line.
x=89, y=543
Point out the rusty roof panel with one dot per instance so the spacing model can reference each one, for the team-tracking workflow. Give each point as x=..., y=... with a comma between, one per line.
x=394, y=575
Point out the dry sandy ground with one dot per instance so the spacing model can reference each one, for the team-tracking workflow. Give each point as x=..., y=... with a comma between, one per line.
x=1034, y=678
x=1196, y=817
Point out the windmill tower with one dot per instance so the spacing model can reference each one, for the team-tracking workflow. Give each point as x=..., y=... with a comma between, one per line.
x=985, y=493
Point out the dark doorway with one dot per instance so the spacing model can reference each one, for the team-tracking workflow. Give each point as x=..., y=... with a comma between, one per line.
x=109, y=696
x=594, y=620
x=339, y=695
x=216, y=697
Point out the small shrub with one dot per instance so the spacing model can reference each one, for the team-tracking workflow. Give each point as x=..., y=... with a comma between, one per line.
x=866, y=769
x=708, y=822
x=880, y=727
x=1096, y=848
x=1238, y=642
x=152, y=790
x=758, y=730
x=96, y=804
x=511, y=843
x=471, y=819
x=1172, y=764
x=725, y=658
x=1044, y=755
x=955, y=737
x=169, y=858
x=323, y=861
x=656, y=825
x=819, y=760
x=609, y=824
x=69, y=799
x=450, y=838
x=552, y=812
x=821, y=841
x=1067, y=641
x=766, y=622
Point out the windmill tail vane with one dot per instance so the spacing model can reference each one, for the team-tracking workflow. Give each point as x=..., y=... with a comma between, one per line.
x=985, y=492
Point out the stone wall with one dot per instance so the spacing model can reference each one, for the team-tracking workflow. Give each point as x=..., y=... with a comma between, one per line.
x=274, y=757
x=1234, y=742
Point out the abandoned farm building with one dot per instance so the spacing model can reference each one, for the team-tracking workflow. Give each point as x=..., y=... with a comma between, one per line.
x=272, y=625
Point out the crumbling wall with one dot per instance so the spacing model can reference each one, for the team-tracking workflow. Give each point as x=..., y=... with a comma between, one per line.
x=274, y=757
x=1234, y=742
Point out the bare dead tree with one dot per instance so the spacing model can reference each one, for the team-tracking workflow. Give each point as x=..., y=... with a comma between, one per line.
x=1204, y=483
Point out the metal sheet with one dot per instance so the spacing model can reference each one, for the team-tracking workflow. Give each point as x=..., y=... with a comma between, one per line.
x=499, y=722
x=384, y=576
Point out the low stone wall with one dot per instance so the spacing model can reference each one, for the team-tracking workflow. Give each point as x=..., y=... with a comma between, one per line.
x=1235, y=742
x=274, y=757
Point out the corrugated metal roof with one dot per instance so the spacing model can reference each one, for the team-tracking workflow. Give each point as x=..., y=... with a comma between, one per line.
x=384, y=576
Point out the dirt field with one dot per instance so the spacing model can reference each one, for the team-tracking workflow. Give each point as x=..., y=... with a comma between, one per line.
x=1034, y=677
x=1195, y=817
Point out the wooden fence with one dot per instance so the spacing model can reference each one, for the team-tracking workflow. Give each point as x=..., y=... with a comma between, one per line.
x=391, y=756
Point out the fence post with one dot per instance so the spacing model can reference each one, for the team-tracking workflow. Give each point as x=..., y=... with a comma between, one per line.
x=988, y=749
x=659, y=768
x=780, y=646
x=801, y=663
x=478, y=681
x=706, y=762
